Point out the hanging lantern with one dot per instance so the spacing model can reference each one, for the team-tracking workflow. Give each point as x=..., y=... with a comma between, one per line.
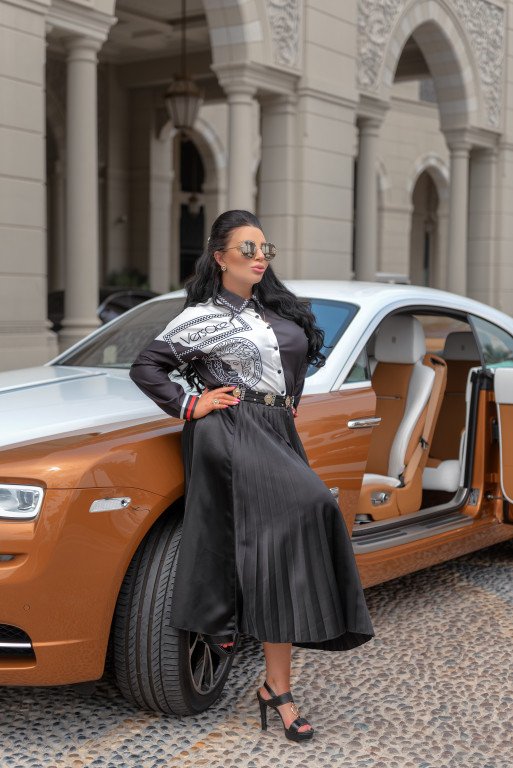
x=183, y=97
x=183, y=100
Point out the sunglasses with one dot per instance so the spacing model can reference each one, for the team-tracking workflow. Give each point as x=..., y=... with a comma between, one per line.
x=248, y=248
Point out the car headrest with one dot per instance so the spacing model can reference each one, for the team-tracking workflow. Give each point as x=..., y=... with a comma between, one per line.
x=400, y=339
x=460, y=345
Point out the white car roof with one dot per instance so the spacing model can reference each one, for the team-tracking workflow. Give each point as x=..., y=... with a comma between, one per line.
x=372, y=297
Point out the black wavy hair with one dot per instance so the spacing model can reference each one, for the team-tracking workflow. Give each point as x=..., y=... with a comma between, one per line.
x=206, y=282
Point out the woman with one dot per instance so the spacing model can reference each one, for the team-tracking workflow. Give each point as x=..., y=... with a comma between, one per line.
x=264, y=548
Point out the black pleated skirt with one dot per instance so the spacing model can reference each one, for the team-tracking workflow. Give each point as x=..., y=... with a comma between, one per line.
x=264, y=550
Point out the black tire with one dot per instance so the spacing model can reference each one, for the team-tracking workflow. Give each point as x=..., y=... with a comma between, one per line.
x=156, y=666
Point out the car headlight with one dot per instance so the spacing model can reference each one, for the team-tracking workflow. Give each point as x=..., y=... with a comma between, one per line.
x=20, y=502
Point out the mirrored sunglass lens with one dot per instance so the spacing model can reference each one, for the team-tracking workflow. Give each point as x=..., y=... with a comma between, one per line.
x=269, y=250
x=248, y=248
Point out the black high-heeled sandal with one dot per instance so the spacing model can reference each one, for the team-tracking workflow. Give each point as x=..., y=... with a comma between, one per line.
x=225, y=649
x=292, y=732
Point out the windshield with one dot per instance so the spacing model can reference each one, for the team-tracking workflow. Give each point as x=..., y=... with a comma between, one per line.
x=118, y=344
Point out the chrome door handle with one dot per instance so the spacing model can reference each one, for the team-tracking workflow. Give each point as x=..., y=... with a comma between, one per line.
x=373, y=421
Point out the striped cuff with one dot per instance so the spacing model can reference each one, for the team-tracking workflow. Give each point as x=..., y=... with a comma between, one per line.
x=188, y=406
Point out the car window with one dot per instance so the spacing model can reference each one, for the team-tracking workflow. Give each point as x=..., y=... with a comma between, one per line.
x=496, y=344
x=118, y=344
x=360, y=370
x=333, y=317
x=437, y=328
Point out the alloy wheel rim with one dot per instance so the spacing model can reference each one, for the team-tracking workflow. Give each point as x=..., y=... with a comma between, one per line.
x=205, y=666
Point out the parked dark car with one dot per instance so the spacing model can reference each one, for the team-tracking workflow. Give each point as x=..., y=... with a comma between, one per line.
x=112, y=303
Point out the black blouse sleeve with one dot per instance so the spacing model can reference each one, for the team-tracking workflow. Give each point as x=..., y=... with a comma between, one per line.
x=150, y=371
x=300, y=383
x=152, y=366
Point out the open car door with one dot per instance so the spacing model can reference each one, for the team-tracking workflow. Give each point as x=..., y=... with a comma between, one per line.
x=503, y=386
x=336, y=429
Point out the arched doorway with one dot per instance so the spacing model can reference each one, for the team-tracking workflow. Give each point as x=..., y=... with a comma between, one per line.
x=192, y=208
x=424, y=237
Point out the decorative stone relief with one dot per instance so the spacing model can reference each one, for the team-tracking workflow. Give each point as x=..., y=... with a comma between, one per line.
x=482, y=20
x=376, y=19
x=285, y=22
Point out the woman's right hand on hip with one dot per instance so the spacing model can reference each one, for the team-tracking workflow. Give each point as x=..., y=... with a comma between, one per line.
x=214, y=399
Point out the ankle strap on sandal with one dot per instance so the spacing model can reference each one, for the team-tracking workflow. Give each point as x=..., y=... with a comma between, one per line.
x=282, y=698
x=268, y=688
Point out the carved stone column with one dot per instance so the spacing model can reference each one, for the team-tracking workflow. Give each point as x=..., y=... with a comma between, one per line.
x=240, y=160
x=82, y=236
x=366, y=245
x=482, y=234
x=161, y=176
x=458, y=215
x=277, y=176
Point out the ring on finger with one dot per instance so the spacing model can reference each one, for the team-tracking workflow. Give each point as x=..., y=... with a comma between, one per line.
x=215, y=401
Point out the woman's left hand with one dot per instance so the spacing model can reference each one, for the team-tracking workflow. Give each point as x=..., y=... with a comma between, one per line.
x=294, y=412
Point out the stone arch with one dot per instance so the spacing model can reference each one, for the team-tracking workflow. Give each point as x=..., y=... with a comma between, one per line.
x=439, y=172
x=464, y=54
x=239, y=31
x=214, y=158
x=432, y=166
x=445, y=45
x=212, y=152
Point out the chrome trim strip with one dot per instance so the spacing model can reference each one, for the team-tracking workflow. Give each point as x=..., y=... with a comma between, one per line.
x=110, y=504
x=373, y=421
x=16, y=645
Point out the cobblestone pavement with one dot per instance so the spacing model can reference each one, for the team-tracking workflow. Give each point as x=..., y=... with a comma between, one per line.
x=433, y=689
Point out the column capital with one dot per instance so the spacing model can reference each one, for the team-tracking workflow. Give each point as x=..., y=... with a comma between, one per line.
x=279, y=104
x=81, y=47
x=458, y=142
x=369, y=126
x=254, y=77
x=81, y=21
x=371, y=110
x=235, y=87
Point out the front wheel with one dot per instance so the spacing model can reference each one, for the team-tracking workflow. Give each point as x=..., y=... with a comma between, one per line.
x=157, y=666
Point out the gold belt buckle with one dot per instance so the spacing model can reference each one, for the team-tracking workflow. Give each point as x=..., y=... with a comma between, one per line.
x=237, y=392
x=269, y=398
x=287, y=401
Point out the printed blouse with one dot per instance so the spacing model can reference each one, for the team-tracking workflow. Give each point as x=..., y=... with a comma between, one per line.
x=239, y=342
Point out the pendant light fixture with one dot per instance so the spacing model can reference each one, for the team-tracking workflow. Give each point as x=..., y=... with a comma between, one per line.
x=183, y=97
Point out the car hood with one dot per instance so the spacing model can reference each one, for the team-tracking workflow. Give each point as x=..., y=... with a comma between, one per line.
x=47, y=401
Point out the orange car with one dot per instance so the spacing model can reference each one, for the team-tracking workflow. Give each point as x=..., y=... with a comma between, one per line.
x=409, y=423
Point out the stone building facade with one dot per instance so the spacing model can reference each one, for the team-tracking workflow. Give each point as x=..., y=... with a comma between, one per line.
x=374, y=138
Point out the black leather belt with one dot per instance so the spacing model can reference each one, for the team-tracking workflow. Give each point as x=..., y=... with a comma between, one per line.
x=268, y=398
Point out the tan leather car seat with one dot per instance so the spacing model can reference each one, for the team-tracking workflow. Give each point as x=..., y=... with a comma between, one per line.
x=409, y=394
x=443, y=467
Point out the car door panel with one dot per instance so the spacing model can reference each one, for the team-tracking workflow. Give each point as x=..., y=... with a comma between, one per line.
x=337, y=451
x=503, y=386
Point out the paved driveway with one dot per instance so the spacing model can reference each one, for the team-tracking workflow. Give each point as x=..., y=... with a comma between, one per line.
x=433, y=689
